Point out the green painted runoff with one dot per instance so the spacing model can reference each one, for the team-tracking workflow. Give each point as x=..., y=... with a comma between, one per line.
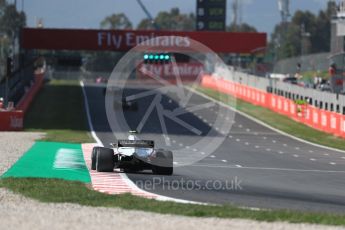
x=51, y=160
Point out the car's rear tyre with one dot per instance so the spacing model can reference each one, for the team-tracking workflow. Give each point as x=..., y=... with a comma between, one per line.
x=94, y=158
x=163, y=164
x=104, y=160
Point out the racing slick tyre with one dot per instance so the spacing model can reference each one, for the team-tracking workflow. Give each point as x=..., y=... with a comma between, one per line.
x=104, y=160
x=163, y=163
x=94, y=158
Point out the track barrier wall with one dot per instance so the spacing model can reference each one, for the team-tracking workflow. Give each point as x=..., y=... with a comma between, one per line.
x=13, y=120
x=323, y=120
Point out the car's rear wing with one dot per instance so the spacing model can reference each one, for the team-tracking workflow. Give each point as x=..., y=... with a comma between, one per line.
x=136, y=143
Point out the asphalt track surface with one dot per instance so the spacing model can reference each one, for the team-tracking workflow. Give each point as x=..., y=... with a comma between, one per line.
x=253, y=167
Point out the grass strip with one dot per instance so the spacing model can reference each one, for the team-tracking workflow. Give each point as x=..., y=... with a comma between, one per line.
x=59, y=111
x=278, y=121
x=60, y=191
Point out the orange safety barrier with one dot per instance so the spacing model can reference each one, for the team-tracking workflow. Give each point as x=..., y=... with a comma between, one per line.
x=326, y=121
x=342, y=126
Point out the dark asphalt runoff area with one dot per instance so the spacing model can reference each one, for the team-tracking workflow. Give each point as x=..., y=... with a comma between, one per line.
x=253, y=167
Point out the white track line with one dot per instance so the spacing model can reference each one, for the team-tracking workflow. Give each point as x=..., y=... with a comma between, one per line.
x=264, y=124
x=267, y=168
x=86, y=103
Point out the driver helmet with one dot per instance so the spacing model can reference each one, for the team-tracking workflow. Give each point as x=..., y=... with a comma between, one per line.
x=132, y=136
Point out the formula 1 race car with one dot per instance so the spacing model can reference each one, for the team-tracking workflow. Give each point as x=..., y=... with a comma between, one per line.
x=132, y=155
x=120, y=101
x=126, y=105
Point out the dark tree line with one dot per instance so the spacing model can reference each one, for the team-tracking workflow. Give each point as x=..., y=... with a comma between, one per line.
x=287, y=40
x=11, y=20
x=170, y=20
x=166, y=20
x=306, y=33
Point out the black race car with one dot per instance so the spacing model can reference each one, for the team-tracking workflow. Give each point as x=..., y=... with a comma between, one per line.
x=132, y=155
x=120, y=100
